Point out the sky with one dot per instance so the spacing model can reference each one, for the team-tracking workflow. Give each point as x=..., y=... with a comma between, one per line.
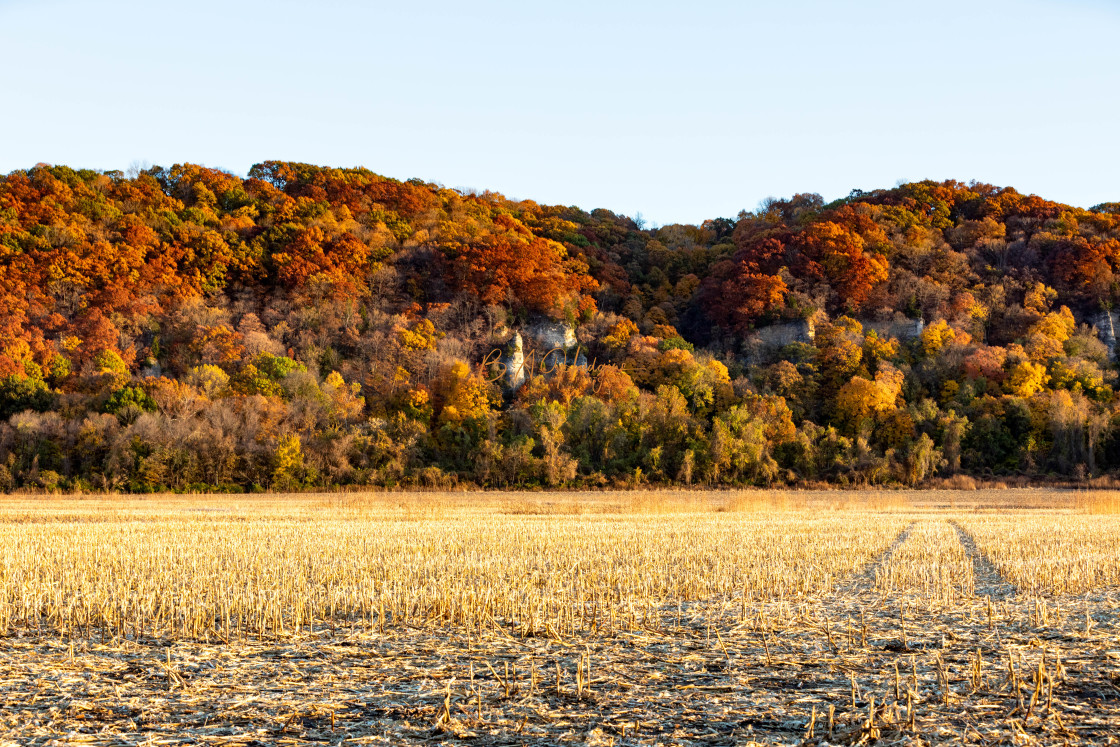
x=678, y=111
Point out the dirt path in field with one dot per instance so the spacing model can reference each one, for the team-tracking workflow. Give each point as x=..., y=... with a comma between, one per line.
x=989, y=582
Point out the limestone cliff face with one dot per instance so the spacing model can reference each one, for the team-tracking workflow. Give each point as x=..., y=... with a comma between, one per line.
x=775, y=336
x=540, y=347
x=902, y=329
x=552, y=336
x=780, y=335
x=763, y=341
x=515, y=363
x=551, y=344
x=1108, y=325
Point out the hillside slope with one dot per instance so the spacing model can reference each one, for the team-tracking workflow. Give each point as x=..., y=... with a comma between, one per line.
x=189, y=329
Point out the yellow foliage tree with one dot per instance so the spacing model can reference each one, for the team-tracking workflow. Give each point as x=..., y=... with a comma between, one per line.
x=343, y=400
x=877, y=349
x=704, y=381
x=1039, y=298
x=841, y=351
x=620, y=333
x=1047, y=337
x=1026, y=379
x=936, y=336
x=210, y=380
x=421, y=336
x=463, y=393
x=288, y=460
x=861, y=399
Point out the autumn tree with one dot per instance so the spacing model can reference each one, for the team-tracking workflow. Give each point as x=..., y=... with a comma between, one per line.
x=509, y=265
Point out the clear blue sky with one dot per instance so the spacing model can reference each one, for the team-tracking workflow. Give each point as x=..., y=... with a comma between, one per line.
x=682, y=111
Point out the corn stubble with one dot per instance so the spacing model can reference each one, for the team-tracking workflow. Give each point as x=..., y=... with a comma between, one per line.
x=685, y=617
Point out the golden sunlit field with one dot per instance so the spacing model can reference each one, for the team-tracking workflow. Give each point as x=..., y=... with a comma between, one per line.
x=607, y=618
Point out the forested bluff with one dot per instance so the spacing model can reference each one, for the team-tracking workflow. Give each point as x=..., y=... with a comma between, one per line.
x=188, y=329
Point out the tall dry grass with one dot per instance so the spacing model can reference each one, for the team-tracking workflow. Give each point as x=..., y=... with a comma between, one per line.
x=1099, y=501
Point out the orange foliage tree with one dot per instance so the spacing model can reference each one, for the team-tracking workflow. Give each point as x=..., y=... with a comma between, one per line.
x=511, y=266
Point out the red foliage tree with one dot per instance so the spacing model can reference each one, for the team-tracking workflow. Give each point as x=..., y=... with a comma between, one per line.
x=512, y=266
x=843, y=250
x=742, y=290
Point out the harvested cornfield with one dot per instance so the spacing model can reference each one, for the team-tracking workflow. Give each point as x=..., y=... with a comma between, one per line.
x=631, y=618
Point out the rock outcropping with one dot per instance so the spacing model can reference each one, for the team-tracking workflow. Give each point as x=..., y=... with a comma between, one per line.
x=764, y=341
x=552, y=335
x=514, y=363
x=1107, y=324
x=780, y=335
x=902, y=329
x=538, y=349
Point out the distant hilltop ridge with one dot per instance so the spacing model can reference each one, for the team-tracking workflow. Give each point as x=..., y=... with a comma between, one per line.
x=307, y=327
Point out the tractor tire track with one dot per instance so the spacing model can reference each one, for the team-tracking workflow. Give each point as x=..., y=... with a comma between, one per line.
x=988, y=581
x=864, y=580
